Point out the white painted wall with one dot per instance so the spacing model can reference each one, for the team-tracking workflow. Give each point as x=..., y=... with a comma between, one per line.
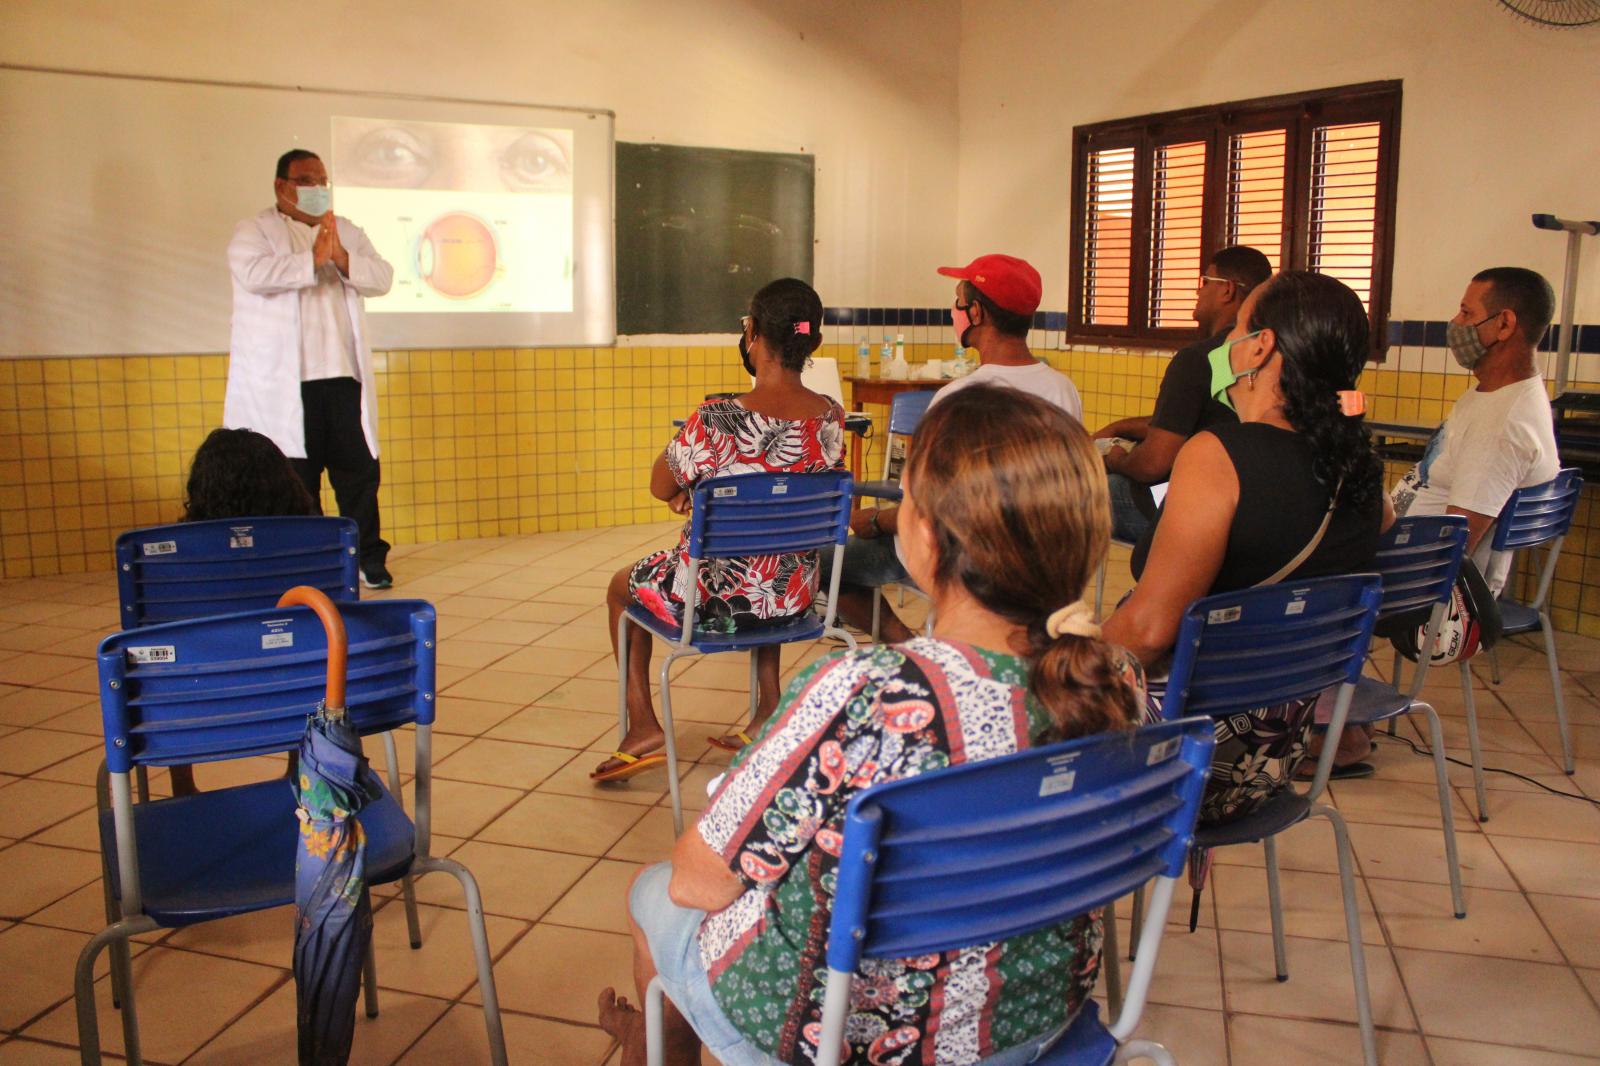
x=1500, y=119
x=869, y=88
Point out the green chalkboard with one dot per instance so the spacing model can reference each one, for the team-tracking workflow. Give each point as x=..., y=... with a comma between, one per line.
x=701, y=229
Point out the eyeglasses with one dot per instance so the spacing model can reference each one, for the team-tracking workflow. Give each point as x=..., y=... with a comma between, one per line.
x=744, y=322
x=1211, y=277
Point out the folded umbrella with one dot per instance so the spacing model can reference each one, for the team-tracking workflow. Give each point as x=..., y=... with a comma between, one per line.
x=333, y=911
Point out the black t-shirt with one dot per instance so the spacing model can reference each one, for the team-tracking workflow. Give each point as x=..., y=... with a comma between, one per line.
x=1281, y=504
x=1184, y=405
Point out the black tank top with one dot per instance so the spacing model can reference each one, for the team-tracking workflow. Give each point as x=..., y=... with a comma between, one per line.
x=1281, y=504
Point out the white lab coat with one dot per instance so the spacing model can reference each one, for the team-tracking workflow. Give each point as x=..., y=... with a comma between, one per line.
x=264, y=352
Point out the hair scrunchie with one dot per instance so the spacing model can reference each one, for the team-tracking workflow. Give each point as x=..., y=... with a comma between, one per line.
x=1075, y=619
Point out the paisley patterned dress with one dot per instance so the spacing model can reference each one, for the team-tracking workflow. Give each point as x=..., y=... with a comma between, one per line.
x=724, y=437
x=848, y=722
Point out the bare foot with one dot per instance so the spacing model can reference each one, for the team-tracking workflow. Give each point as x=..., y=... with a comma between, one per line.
x=625, y=1024
x=634, y=744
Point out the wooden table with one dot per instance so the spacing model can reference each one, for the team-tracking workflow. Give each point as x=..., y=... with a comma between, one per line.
x=881, y=391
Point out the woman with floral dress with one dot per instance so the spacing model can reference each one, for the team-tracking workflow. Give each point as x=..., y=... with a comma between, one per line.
x=779, y=426
x=1004, y=533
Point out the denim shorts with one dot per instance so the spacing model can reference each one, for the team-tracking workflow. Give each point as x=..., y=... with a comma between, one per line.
x=673, y=933
x=869, y=562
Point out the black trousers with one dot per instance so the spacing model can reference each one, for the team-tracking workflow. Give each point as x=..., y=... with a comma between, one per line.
x=335, y=443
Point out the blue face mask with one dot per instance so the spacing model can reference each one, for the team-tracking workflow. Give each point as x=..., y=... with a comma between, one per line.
x=313, y=199
x=1223, y=375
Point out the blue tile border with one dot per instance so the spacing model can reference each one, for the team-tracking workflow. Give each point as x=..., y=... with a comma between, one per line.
x=1407, y=333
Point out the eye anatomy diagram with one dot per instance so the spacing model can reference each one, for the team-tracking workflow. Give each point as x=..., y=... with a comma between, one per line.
x=456, y=255
x=473, y=217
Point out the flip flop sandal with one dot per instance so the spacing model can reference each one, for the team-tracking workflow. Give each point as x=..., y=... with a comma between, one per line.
x=1352, y=771
x=724, y=744
x=631, y=765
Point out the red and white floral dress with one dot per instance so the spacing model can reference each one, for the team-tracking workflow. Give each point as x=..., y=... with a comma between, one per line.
x=724, y=437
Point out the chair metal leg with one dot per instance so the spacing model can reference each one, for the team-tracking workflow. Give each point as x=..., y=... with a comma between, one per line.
x=1111, y=964
x=755, y=687
x=655, y=1051
x=480, y=948
x=408, y=890
x=1472, y=742
x=83, y=993
x=1145, y=1049
x=1494, y=666
x=672, y=749
x=1352, y=925
x=622, y=679
x=1446, y=808
x=1136, y=928
x=369, y=980
x=1398, y=669
x=1555, y=687
x=1280, y=950
x=142, y=776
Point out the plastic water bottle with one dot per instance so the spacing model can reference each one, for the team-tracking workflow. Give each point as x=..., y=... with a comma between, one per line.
x=864, y=361
x=885, y=356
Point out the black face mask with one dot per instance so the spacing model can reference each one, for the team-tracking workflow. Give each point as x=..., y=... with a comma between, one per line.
x=744, y=356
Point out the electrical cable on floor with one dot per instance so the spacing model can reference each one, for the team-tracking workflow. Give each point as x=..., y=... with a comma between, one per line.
x=1420, y=750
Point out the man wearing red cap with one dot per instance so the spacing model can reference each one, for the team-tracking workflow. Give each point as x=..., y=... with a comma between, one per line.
x=996, y=296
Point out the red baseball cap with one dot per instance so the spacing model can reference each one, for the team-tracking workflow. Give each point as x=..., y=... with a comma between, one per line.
x=1010, y=282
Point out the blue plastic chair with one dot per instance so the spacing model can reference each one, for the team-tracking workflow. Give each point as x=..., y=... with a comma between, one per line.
x=905, y=414
x=743, y=515
x=239, y=685
x=989, y=850
x=191, y=569
x=1540, y=515
x=1241, y=650
x=1418, y=559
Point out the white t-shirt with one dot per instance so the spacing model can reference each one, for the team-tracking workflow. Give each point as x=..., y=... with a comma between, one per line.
x=1040, y=379
x=1492, y=444
x=327, y=339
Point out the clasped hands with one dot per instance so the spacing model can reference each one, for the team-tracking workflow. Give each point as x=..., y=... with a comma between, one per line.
x=326, y=247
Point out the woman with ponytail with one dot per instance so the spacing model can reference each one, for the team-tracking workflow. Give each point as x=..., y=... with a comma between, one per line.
x=1005, y=519
x=1294, y=490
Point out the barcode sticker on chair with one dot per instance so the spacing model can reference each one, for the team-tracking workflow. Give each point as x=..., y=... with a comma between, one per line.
x=241, y=537
x=725, y=490
x=1295, y=607
x=160, y=547
x=780, y=489
x=1403, y=537
x=153, y=653
x=277, y=640
x=1223, y=614
x=1057, y=783
x=1163, y=751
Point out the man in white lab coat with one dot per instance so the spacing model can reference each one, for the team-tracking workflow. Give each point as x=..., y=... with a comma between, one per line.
x=300, y=366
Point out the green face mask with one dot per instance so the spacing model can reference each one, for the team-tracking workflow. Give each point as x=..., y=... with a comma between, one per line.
x=1222, y=373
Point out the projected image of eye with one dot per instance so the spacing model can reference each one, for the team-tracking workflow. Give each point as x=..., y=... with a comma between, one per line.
x=457, y=255
x=388, y=157
x=535, y=161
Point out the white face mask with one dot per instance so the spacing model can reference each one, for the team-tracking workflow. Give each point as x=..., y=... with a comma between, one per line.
x=314, y=200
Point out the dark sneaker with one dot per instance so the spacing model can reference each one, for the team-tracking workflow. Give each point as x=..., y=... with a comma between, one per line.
x=377, y=579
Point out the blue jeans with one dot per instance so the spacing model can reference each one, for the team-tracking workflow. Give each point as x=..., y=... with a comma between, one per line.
x=1128, y=521
x=673, y=933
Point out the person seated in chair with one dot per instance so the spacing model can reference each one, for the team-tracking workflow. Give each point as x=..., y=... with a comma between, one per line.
x=1184, y=406
x=778, y=426
x=1004, y=538
x=239, y=473
x=996, y=296
x=1292, y=490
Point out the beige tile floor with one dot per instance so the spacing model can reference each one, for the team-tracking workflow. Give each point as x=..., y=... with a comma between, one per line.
x=527, y=708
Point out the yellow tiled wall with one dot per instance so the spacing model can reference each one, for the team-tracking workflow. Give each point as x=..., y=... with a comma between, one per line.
x=490, y=443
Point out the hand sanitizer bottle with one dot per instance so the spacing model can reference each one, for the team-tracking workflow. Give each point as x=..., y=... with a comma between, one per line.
x=899, y=369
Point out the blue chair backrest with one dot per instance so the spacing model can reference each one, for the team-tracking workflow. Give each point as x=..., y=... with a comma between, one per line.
x=994, y=849
x=242, y=684
x=906, y=410
x=1539, y=513
x=193, y=569
x=1418, y=559
x=1257, y=647
x=769, y=514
